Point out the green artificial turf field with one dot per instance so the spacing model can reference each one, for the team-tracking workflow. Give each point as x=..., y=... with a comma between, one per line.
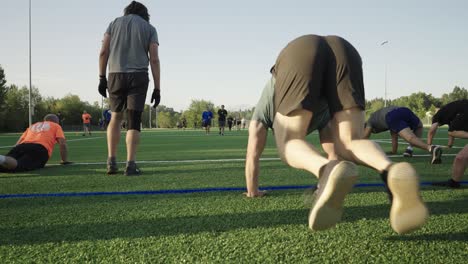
x=174, y=213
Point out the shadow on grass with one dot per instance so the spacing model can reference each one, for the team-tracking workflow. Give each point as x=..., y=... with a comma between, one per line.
x=149, y=169
x=140, y=228
x=460, y=236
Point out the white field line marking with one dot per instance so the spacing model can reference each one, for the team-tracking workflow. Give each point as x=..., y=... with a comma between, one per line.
x=404, y=143
x=68, y=140
x=215, y=160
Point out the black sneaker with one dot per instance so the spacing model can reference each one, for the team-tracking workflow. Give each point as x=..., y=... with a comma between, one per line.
x=112, y=168
x=384, y=177
x=408, y=153
x=450, y=183
x=132, y=169
x=436, y=152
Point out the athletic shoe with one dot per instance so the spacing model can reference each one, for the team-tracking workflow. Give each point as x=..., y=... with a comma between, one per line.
x=112, y=168
x=384, y=177
x=336, y=180
x=408, y=153
x=450, y=183
x=436, y=152
x=132, y=170
x=408, y=211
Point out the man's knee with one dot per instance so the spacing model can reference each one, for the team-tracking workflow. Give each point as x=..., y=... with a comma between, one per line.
x=134, y=119
x=461, y=158
x=117, y=116
x=407, y=134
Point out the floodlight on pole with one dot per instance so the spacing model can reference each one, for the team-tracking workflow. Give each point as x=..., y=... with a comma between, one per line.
x=386, y=66
x=30, y=79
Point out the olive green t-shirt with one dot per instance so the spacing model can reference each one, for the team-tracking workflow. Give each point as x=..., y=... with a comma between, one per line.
x=265, y=112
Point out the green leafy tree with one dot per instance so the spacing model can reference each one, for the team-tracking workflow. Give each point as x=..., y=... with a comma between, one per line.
x=3, y=87
x=3, y=91
x=374, y=105
x=456, y=94
x=16, y=111
x=194, y=112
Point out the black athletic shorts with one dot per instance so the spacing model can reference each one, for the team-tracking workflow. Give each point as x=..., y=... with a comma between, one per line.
x=206, y=122
x=311, y=67
x=459, y=123
x=222, y=123
x=30, y=156
x=128, y=91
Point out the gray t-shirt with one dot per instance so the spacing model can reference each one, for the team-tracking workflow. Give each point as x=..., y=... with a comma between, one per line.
x=265, y=110
x=377, y=121
x=131, y=37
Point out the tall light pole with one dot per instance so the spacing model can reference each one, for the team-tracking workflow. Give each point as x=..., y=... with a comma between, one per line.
x=150, y=110
x=156, y=116
x=386, y=66
x=30, y=79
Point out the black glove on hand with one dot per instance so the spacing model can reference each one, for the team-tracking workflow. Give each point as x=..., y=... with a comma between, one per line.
x=102, y=86
x=156, y=97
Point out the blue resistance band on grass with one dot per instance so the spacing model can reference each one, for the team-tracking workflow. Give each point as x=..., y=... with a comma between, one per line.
x=180, y=191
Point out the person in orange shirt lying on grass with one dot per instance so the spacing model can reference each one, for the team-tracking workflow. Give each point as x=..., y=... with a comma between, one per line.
x=35, y=146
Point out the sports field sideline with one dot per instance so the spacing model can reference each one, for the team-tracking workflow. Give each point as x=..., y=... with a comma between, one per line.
x=188, y=207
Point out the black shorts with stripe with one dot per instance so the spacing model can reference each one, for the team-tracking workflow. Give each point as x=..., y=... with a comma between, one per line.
x=30, y=156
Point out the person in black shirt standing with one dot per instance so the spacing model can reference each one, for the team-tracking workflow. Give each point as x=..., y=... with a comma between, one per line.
x=222, y=113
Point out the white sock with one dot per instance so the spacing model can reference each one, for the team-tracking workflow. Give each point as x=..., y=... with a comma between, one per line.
x=2, y=159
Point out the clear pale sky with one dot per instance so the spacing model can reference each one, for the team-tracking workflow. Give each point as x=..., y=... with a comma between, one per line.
x=222, y=50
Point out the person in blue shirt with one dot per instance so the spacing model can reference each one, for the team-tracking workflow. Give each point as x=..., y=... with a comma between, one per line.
x=207, y=115
x=107, y=117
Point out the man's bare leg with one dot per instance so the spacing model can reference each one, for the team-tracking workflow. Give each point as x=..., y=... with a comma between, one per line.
x=113, y=138
x=336, y=178
x=458, y=134
x=113, y=133
x=409, y=148
x=349, y=124
x=408, y=211
x=326, y=136
x=459, y=164
x=132, y=140
x=290, y=133
x=8, y=163
x=410, y=137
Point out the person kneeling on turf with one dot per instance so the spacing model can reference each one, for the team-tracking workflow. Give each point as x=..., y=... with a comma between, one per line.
x=459, y=166
x=402, y=122
x=309, y=69
x=35, y=146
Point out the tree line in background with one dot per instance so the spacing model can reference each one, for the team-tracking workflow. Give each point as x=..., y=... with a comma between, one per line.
x=14, y=108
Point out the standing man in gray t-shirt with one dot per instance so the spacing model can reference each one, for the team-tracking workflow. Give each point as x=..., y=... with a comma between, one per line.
x=127, y=42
